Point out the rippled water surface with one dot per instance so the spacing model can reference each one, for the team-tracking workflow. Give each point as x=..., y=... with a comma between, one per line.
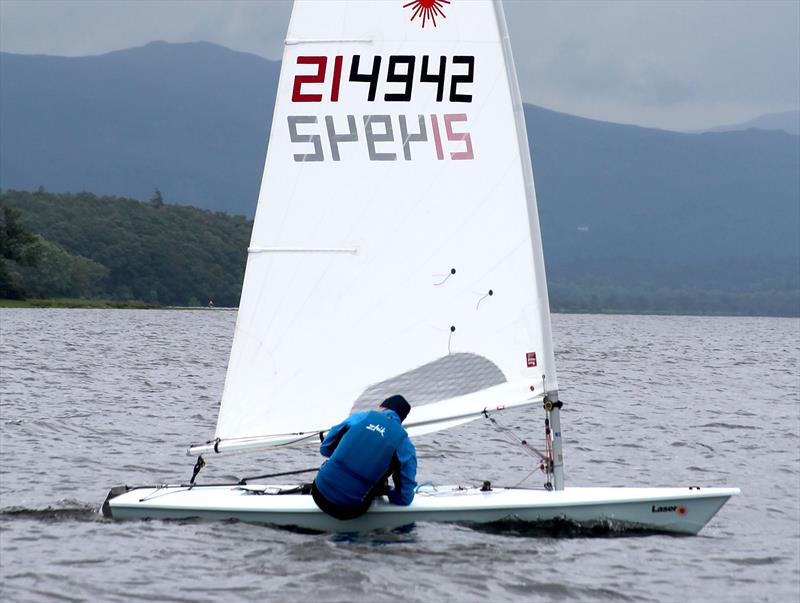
x=95, y=398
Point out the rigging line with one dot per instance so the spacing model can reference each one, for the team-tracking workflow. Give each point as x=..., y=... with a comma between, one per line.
x=507, y=431
x=159, y=491
x=530, y=473
x=244, y=480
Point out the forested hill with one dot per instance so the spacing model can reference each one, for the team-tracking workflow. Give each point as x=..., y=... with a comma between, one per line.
x=85, y=246
x=128, y=250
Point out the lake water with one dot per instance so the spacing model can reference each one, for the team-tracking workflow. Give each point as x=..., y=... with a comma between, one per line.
x=95, y=398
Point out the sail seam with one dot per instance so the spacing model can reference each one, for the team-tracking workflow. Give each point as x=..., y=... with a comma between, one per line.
x=350, y=250
x=296, y=41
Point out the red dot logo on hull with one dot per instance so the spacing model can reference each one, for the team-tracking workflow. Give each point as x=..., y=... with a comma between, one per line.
x=682, y=510
x=426, y=10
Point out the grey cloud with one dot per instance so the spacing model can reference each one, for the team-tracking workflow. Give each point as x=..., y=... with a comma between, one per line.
x=674, y=64
x=696, y=62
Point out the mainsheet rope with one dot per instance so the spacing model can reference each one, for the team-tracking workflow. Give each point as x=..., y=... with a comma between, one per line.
x=545, y=460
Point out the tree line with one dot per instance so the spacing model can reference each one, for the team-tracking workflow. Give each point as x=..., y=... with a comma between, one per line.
x=574, y=298
x=88, y=246
x=85, y=246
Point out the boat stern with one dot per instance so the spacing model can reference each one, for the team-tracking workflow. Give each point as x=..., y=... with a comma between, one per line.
x=105, y=509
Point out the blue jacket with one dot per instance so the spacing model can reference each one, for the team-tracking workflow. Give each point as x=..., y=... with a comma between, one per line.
x=364, y=449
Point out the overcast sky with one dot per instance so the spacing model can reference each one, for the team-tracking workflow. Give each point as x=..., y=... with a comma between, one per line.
x=671, y=64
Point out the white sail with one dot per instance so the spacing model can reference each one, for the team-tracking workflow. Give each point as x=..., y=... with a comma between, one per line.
x=396, y=244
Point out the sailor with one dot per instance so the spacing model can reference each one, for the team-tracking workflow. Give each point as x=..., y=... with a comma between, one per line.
x=364, y=450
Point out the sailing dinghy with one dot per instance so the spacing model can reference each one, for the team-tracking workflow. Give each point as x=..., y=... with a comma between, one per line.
x=396, y=250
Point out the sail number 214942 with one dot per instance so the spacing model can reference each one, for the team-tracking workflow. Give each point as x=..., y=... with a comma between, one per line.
x=388, y=136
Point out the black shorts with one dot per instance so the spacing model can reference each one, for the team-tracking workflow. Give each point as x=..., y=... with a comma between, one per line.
x=343, y=513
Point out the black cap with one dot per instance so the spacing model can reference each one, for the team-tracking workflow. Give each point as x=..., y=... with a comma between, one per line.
x=399, y=405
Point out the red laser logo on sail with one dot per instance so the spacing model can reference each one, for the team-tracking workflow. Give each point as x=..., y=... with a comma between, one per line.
x=427, y=10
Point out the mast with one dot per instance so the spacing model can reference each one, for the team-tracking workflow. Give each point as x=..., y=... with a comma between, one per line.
x=536, y=239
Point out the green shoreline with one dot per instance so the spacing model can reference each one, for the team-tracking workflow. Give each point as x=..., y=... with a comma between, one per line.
x=139, y=305
x=78, y=303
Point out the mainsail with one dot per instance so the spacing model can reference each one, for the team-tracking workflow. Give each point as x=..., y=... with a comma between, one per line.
x=396, y=244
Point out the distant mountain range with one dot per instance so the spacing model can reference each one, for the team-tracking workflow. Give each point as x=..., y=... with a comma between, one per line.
x=788, y=121
x=619, y=205
x=190, y=119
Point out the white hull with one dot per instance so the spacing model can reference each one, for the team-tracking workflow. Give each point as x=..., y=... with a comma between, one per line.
x=680, y=510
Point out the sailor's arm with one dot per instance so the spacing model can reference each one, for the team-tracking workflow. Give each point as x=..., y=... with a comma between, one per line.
x=405, y=477
x=332, y=438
